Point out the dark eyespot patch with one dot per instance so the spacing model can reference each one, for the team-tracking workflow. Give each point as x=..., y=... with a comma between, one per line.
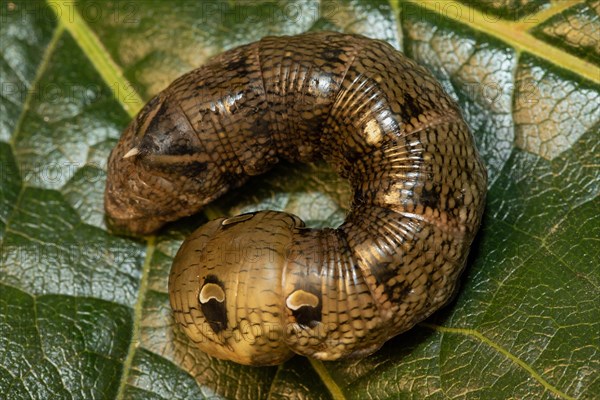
x=306, y=307
x=214, y=307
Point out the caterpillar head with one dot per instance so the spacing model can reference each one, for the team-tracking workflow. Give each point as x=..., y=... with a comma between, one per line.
x=159, y=171
x=225, y=287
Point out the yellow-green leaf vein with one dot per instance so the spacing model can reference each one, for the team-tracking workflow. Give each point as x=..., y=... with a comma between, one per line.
x=110, y=72
x=503, y=351
x=515, y=34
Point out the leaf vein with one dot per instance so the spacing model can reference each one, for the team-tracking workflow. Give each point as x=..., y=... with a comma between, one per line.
x=482, y=338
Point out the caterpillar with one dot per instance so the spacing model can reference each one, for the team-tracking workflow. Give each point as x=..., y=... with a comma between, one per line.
x=260, y=287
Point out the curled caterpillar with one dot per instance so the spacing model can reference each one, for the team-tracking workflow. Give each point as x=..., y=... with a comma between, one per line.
x=259, y=287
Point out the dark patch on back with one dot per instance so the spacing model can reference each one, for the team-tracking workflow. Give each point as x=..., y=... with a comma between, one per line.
x=383, y=274
x=230, y=178
x=154, y=126
x=181, y=148
x=189, y=169
x=351, y=156
x=430, y=198
x=358, y=199
x=411, y=107
x=146, y=110
x=150, y=143
x=148, y=146
x=237, y=65
x=332, y=55
x=193, y=168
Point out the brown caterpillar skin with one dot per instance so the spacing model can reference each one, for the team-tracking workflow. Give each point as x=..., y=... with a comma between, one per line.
x=259, y=287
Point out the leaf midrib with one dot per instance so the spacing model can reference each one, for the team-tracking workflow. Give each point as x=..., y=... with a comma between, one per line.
x=518, y=35
x=95, y=51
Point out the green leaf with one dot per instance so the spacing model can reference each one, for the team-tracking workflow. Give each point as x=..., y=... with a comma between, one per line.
x=85, y=314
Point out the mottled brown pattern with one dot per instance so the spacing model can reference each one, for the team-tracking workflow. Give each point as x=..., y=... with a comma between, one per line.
x=260, y=287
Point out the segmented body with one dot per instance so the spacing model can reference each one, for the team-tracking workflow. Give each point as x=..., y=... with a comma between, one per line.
x=260, y=287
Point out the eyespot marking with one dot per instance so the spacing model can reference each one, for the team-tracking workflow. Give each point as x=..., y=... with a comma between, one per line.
x=211, y=291
x=301, y=298
x=213, y=304
x=306, y=307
